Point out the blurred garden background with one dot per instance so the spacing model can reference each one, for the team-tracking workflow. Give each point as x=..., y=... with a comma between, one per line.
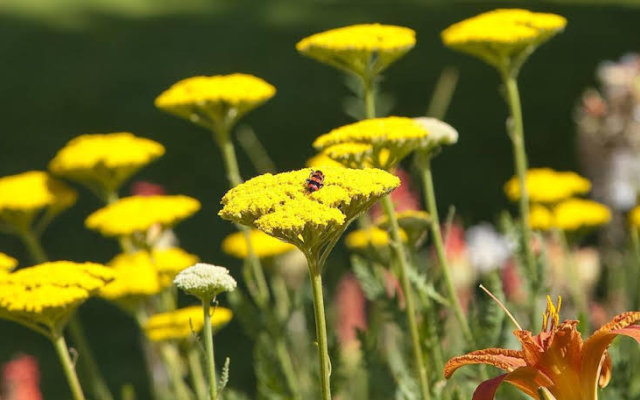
x=77, y=66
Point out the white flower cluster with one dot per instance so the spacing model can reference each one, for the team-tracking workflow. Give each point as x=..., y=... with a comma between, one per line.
x=440, y=133
x=205, y=281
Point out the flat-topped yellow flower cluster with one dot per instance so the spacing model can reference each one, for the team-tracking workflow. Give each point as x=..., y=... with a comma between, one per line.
x=7, y=263
x=548, y=186
x=570, y=215
x=263, y=245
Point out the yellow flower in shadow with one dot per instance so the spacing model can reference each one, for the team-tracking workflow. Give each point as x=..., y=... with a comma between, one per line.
x=322, y=160
x=217, y=100
x=183, y=323
x=365, y=49
x=503, y=38
x=136, y=278
x=370, y=238
x=634, y=217
x=415, y=223
x=7, y=263
x=378, y=142
x=281, y=205
x=136, y=214
x=44, y=296
x=545, y=185
x=263, y=245
x=103, y=162
x=556, y=359
x=23, y=197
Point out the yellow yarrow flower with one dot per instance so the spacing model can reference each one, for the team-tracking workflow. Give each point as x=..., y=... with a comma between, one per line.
x=169, y=262
x=634, y=217
x=574, y=214
x=215, y=100
x=545, y=185
x=24, y=195
x=262, y=244
x=134, y=214
x=373, y=237
x=183, y=323
x=7, y=263
x=361, y=49
x=504, y=37
x=44, y=296
x=540, y=218
x=104, y=161
x=281, y=206
x=136, y=278
x=321, y=160
x=391, y=139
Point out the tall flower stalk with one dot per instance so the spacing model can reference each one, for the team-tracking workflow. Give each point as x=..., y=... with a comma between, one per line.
x=504, y=39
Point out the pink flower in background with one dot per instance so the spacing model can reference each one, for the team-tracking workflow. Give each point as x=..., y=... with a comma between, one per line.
x=21, y=379
x=351, y=308
x=404, y=197
x=144, y=188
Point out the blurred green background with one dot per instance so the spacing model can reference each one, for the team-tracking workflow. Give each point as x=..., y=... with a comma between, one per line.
x=77, y=66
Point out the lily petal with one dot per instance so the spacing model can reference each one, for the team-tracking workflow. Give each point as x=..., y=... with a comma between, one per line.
x=504, y=359
x=527, y=379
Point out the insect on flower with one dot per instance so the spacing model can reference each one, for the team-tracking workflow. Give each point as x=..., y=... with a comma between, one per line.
x=315, y=181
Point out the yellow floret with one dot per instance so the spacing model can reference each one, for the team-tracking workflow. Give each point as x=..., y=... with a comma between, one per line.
x=7, y=263
x=104, y=160
x=391, y=139
x=43, y=297
x=138, y=213
x=262, y=244
x=503, y=36
x=183, y=323
x=361, y=49
x=281, y=206
x=540, y=218
x=545, y=185
x=574, y=214
x=136, y=277
x=211, y=100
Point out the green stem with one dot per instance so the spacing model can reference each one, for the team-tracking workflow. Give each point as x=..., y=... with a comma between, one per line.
x=197, y=375
x=635, y=242
x=397, y=245
x=321, y=328
x=172, y=362
x=516, y=132
x=67, y=365
x=90, y=368
x=208, y=342
x=577, y=291
x=369, y=97
x=432, y=208
x=223, y=138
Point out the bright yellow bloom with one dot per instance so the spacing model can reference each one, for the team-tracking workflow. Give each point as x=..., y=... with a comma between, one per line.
x=391, y=139
x=361, y=49
x=574, y=214
x=262, y=244
x=504, y=37
x=24, y=195
x=136, y=277
x=322, y=160
x=139, y=213
x=634, y=217
x=210, y=100
x=540, y=218
x=545, y=185
x=104, y=161
x=556, y=359
x=7, y=263
x=281, y=206
x=43, y=297
x=169, y=262
x=182, y=323
x=363, y=239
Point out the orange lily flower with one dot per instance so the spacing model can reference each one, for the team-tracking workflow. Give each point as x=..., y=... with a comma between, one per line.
x=556, y=360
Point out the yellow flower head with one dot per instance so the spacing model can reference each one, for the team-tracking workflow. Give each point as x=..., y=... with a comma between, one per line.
x=43, y=297
x=634, y=217
x=104, y=161
x=574, y=214
x=540, y=218
x=355, y=155
x=504, y=37
x=263, y=245
x=548, y=186
x=361, y=49
x=181, y=324
x=214, y=100
x=169, y=262
x=322, y=160
x=136, y=278
x=281, y=206
x=390, y=140
x=139, y=213
x=24, y=195
x=365, y=239
x=7, y=263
